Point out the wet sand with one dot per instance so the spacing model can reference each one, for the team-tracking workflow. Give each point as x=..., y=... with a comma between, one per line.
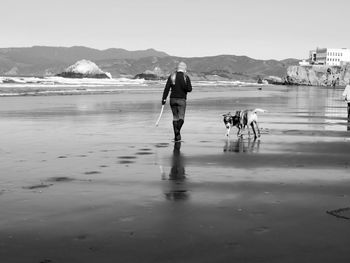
x=89, y=178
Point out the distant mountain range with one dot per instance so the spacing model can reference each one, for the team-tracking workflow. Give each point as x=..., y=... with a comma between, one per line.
x=42, y=60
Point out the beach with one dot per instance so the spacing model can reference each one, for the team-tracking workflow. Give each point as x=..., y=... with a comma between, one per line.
x=89, y=178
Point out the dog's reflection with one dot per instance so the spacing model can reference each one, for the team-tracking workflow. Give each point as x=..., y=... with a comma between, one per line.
x=242, y=146
x=177, y=176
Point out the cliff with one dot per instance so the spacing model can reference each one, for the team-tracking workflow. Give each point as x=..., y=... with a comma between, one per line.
x=318, y=75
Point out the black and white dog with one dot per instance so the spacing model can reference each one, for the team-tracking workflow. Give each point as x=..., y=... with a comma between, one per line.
x=241, y=120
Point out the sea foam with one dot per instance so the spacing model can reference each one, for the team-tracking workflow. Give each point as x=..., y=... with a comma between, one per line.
x=36, y=86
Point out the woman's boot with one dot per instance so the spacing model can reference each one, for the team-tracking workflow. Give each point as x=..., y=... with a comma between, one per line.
x=176, y=130
x=179, y=125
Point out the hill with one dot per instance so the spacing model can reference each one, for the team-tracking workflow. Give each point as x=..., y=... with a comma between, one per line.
x=221, y=67
x=40, y=60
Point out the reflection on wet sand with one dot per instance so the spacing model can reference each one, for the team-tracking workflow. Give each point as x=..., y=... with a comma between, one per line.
x=242, y=146
x=177, y=176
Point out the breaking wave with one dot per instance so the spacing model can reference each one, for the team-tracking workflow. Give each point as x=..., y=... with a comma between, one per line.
x=60, y=81
x=36, y=86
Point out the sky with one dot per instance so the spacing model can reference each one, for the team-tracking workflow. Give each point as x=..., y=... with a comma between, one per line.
x=261, y=29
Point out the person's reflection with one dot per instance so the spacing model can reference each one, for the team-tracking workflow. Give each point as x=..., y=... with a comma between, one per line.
x=177, y=176
x=241, y=146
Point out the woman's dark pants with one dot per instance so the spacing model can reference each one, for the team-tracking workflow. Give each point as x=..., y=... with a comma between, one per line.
x=178, y=107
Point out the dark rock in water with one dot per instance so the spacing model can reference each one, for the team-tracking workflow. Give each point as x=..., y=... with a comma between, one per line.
x=8, y=81
x=149, y=76
x=154, y=74
x=80, y=75
x=274, y=80
x=84, y=69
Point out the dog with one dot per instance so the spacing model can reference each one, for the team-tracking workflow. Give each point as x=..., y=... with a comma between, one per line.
x=241, y=120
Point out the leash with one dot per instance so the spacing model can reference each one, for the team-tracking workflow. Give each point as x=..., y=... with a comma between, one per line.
x=160, y=115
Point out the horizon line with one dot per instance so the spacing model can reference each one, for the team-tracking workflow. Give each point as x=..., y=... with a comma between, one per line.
x=82, y=46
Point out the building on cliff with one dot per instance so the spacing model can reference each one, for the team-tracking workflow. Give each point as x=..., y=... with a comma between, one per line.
x=330, y=56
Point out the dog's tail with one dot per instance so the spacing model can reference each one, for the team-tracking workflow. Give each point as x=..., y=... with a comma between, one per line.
x=259, y=110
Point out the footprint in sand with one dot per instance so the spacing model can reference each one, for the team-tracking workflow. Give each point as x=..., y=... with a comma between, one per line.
x=232, y=245
x=60, y=179
x=82, y=237
x=126, y=159
x=257, y=213
x=162, y=145
x=37, y=186
x=126, y=162
x=127, y=219
x=144, y=153
x=92, y=172
x=261, y=230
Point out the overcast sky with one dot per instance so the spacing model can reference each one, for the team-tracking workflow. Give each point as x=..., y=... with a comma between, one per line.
x=261, y=29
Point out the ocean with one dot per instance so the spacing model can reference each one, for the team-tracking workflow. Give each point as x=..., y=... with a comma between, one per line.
x=43, y=86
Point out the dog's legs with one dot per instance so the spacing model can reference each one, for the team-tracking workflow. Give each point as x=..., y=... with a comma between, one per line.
x=248, y=131
x=253, y=145
x=226, y=147
x=239, y=132
x=256, y=123
x=252, y=124
x=228, y=131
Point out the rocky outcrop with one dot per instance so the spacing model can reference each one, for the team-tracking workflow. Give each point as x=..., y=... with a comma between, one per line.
x=273, y=80
x=149, y=76
x=84, y=69
x=318, y=75
x=155, y=74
